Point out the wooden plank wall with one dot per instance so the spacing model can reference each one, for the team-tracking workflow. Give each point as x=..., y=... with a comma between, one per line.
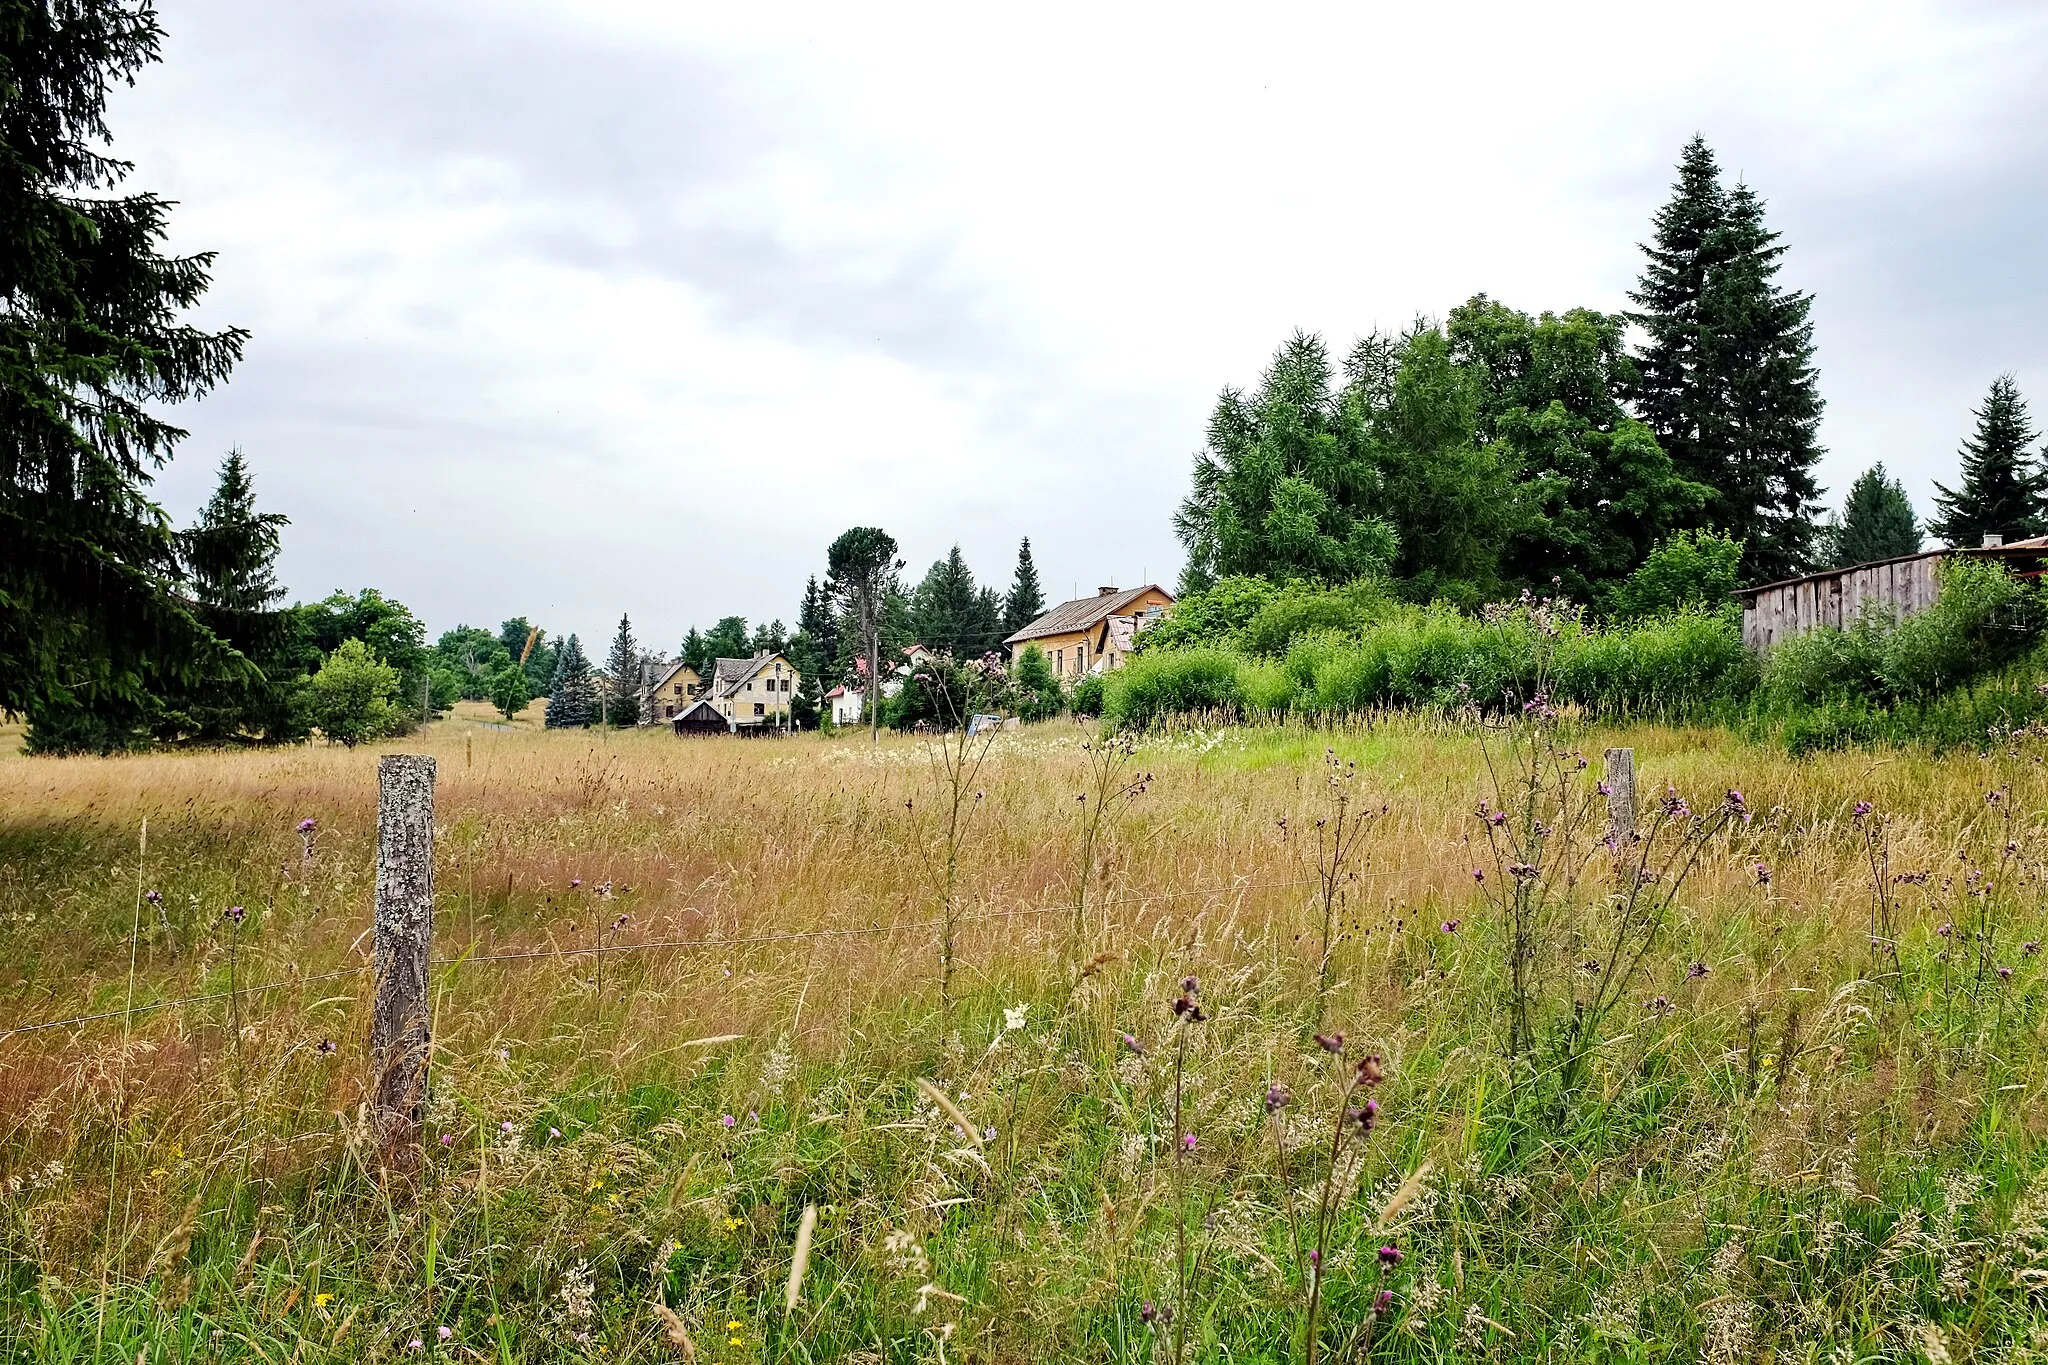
x=1898, y=589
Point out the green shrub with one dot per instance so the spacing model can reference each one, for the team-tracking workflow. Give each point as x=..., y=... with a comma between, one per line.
x=1088, y=695
x=1265, y=688
x=1162, y=683
x=1214, y=615
x=1687, y=571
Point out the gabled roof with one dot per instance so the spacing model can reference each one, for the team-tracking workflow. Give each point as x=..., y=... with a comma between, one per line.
x=730, y=675
x=1084, y=613
x=703, y=704
x=667, y=676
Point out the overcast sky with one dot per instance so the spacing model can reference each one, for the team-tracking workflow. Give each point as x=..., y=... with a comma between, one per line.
x=572, y=309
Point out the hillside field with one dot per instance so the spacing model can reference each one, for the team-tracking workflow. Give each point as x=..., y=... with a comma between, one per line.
x=1799, y=1115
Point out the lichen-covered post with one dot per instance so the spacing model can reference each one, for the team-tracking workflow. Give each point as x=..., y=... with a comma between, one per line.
x=405, y=937
x=1621, y=793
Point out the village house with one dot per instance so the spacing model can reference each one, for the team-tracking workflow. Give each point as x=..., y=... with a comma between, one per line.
x=671, y=689
x=847, y=703
x=753, y=694
x=1093, y=634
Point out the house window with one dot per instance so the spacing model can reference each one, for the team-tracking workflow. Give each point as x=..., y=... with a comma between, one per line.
x=1080, y=658
x=785, y=684
x=760, y=708
x=1059, y=661
x=679, y=689
x=750, y=687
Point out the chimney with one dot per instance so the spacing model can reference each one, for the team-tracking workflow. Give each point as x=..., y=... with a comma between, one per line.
x=1992, y=540
x=1104, y=592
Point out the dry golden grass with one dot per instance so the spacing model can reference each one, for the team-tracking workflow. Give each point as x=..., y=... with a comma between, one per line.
x=793, y=883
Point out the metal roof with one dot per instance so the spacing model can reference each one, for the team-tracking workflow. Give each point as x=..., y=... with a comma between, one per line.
x=1083, y=613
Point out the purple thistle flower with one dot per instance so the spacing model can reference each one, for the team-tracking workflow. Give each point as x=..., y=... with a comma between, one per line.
x=1131, y=1042
x=1192, y=985
x=307, y=825
x=1500, y=817
x=445, y=1333
x=1390, y=1255
x=554, y=1133
x=727, y=1121
x=1945, y=929
x=1478, y=875
x=1862, y=809
x=1315, y=1256
x=447, y=1139
x=1147, y=1314
x=505, y=1127
x=1187, y=1142
x=1277, y=1097
x=1660, y=1005
x=415, y=1345
x=1382, y=1301
x=235, y=913
x=1365, y=1115
x=1697, y=970
x=2031, y=948
x=2005, y=973
x=1450, y=926
x=1603, y=789
x=325, y=1047
x=1763, y=875
x=1330, y=1042
x=575, y=882
x=154, y=897
x=1735, y=802
x=1523, y=871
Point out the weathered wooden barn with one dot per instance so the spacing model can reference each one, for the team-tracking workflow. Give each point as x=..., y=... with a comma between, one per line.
x=1772, y=612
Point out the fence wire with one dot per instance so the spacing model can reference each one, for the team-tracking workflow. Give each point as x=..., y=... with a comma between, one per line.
x=649, y=945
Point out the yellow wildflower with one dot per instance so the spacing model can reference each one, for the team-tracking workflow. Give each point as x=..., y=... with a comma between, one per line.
x=731, y=1224
x=322, y=1300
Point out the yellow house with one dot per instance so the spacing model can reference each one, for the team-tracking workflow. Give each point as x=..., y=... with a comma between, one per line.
x=670, y=692
x=753, y=693
x=1093, y=634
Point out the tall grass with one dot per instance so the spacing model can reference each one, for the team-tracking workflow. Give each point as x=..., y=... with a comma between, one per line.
x=1788, y=1152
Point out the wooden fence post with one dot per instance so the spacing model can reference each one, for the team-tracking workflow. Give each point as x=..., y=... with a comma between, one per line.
x=405, y=938
x=1621, y=793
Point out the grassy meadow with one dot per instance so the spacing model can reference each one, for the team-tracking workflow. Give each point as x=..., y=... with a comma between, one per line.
x=1811, y=1124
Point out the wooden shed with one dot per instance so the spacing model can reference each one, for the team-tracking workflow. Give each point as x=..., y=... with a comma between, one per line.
x=1773, y=612
x=700, y=717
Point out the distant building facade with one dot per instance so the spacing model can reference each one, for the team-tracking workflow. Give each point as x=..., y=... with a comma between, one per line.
x=1093, y=634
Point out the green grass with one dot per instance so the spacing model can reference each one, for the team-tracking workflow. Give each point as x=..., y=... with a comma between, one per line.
x=1799, y=1159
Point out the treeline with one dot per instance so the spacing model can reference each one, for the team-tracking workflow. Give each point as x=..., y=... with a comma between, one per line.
x=863, y=604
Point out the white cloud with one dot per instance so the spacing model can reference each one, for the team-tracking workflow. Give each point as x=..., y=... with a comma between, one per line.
x=567, y=310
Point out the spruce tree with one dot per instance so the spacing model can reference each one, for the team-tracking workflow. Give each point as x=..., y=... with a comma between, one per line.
x=621, y=700
x=1026, y=600
x=572, y=700
x=1877, y=522
x=814, y=650
x=696, y=652
x=943, y=607
x=230, y=558
x=1727, y=382
x=2003, y=486
x=92, y=331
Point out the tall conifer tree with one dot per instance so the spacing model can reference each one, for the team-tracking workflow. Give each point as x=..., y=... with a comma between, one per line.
x=572, y=700
x=1727, y=379
x=1877, y=522
x=620, y=703
x=2003, y=485
x=1026, y=600
x=92, y=332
